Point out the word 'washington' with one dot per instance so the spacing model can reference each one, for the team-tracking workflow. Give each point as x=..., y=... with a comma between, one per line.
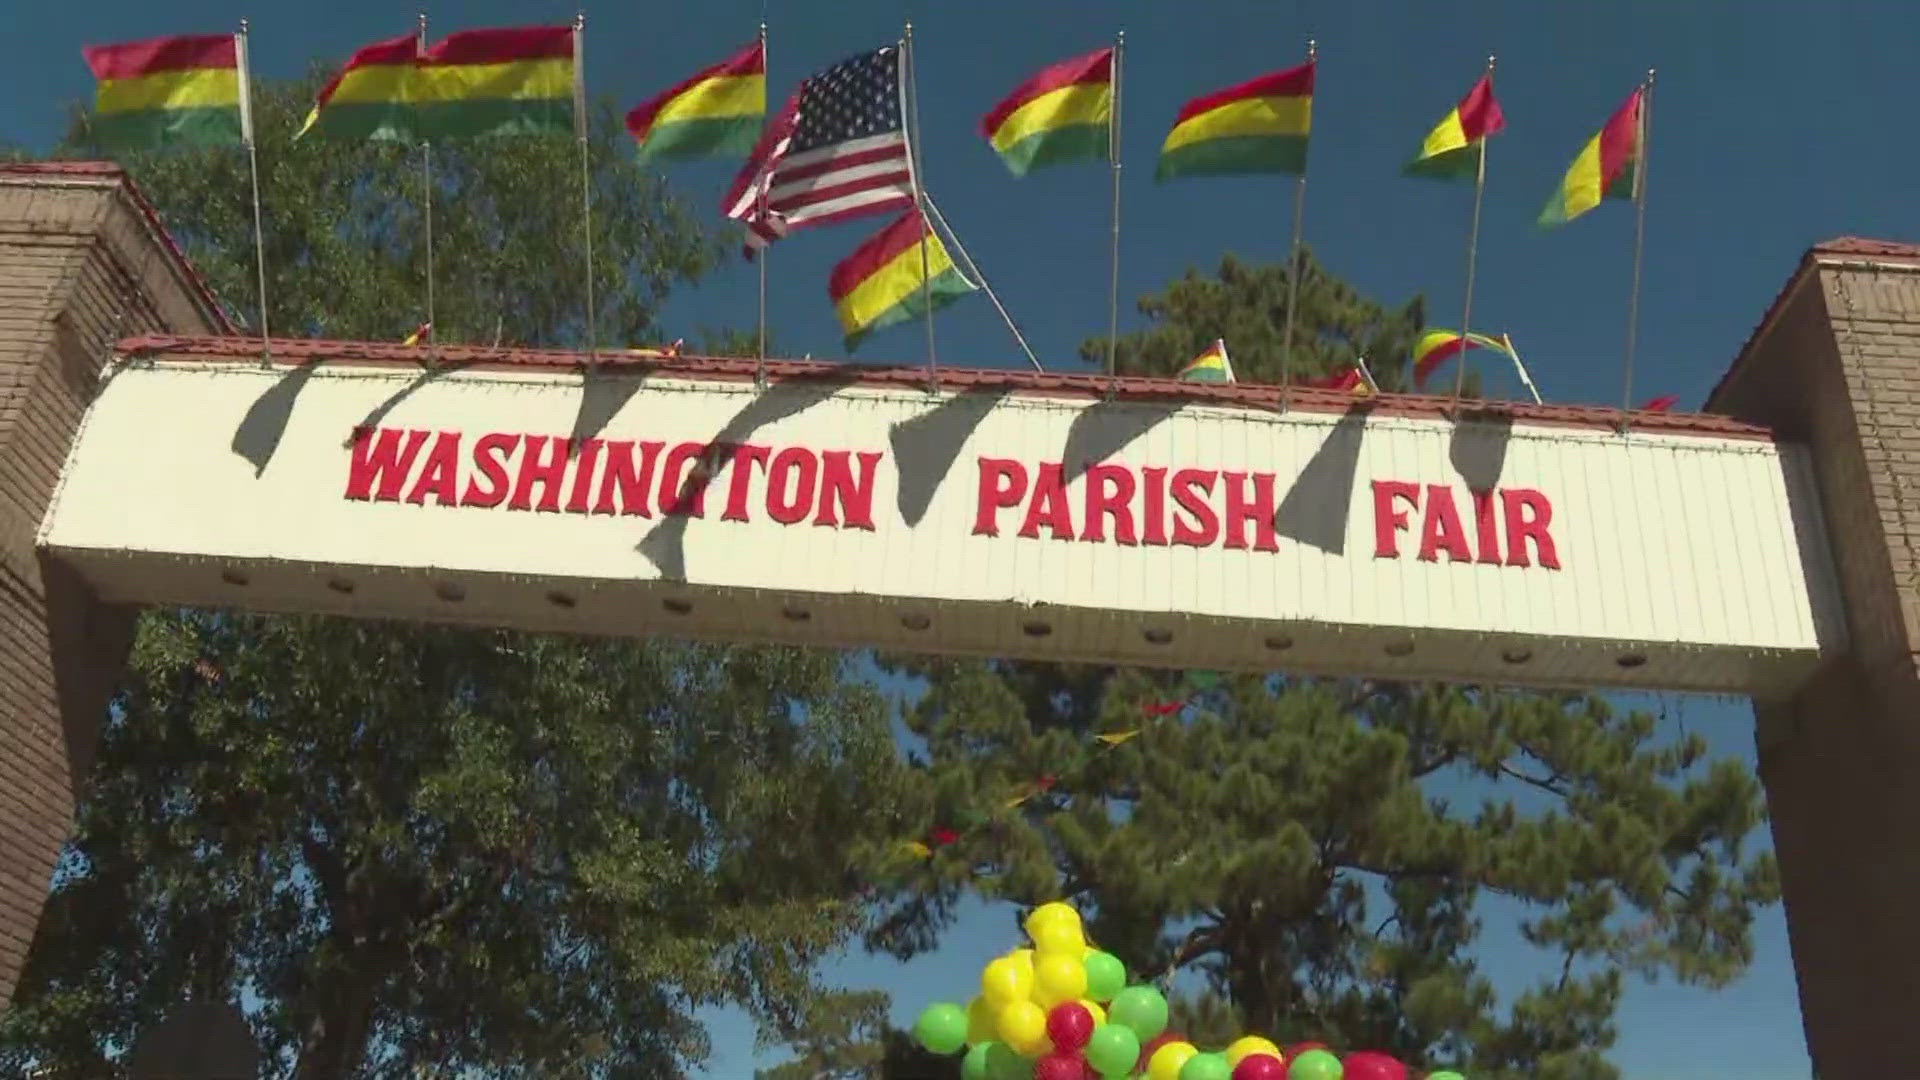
x=554, y=474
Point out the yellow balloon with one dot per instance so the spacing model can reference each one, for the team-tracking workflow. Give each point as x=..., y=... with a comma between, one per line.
x=1022, y=957
x=1023, y=1026
x=1166, y=1062
x=1058, y=978
x=1099, y=1014
x=1247, y=1046
x=982, y=1021
x=1047, y=914
x=1059, y=936
x=1004, y=981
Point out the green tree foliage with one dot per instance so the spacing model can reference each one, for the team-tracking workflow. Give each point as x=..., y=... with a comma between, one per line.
x=410, y=846
x=1317, y=855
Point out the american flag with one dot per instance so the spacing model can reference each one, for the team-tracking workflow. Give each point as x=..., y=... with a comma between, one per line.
x=836, y=151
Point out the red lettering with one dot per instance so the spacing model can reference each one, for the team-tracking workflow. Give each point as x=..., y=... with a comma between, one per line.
x=1156, y=506
x=631, y=480
x=691, y=498
x=383, y=463
x=1441, y=528
x=1389, y=520
x=1102, y=503
x=440, y=476
x=488, y=453
x=583, y=476
x=795, y=463
x=1206, y=525
x=1259, y=511
x=1484, y=527
x=744, y=458
x=838, y=485
x=1519, y=503
x=1048, y=506
x=550, y=474
x=1003, y=483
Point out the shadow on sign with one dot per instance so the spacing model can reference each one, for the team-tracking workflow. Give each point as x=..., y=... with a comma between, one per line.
x=665, y=543
x=1478, y=449
x=1104, y=428
x=925, y=447
x=258, y=435
x=1314, y=512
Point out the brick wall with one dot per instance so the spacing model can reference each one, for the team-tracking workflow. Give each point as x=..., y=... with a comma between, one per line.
x=1837, y=365
x=81, y=264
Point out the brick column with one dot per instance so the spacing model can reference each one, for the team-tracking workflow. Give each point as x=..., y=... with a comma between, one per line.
x=82, y=263
x=1836, y=365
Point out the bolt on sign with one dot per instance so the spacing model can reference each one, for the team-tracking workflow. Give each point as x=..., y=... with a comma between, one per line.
x=848, y=509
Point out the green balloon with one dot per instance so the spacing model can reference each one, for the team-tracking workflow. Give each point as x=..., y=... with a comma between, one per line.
x=942, y=1028
x=1106, y=976
x=1445, y=1074
x=1004, y=1064
x=1206, y=1067
x=978, y=1064
x=1113, y=1051
x=1140, y=1008
x=1312, y=1065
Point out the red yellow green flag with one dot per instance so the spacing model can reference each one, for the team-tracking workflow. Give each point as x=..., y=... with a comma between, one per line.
x=882, y=282
x=1452, y=149
x=1211, y=366
x=1436, y=346
x=501, y=81
x=1259, y=126
x=166, y=91
x=1349, y=381
x=1064, y=113
x=1606, y=168
x=420, y=334
x=715, y=113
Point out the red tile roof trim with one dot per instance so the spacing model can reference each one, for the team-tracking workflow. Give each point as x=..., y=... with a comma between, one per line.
x=247, y=350
x=107, y=170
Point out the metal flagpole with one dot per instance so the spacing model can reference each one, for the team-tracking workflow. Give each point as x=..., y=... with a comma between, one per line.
x=909, y=89
x=586, y=173
x=1473, y=252
x=1293, y=271
x=1639, y=239
x=974, y=270
x=1366, y=373
x=1113, y=158
x=760, y=354
x=1520, y=368
x=253, y=171
x=426, y=200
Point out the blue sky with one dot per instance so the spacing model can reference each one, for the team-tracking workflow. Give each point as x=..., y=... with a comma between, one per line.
x=1770, y=131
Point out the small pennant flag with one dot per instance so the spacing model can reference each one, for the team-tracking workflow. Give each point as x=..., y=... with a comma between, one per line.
x=917, y=849
x=1162, y=708
x=1450, y=151
x=1115, y=738
x=1661, y=404
x=1211, y=366
x=1349, y=381
x=420, y=334
x=1607, y=168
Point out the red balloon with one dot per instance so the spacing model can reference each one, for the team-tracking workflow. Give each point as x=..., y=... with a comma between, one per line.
x=1059, y=1066
x=1260, y=1067
x=1147, y=1048
x=1069, y=1025
x=1371, y=1065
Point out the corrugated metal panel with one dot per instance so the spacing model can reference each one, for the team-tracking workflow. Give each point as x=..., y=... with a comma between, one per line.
x=1690, y=547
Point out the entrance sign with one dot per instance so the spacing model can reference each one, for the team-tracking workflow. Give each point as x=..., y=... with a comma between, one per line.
x=843, y=510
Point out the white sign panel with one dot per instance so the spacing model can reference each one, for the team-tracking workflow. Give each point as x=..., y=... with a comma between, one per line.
x=832, y=511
